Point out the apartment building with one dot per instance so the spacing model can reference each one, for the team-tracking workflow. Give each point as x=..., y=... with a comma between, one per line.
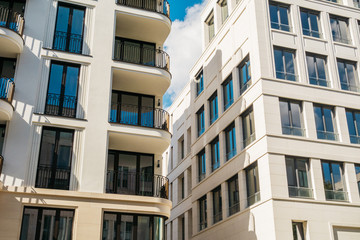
x=266, y=139
x=82, y=125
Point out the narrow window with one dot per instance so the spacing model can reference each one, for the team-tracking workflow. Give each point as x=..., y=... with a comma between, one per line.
x=215, y=154
x=7, y=73
x=298, y=230
x=210, y=26
x=182, y=183
x=340, y=29
x=69, y=28
x=248, y=127
x=356, y=3
x=202, y=213
x=201, y=121
x=202, y=165
x=310, y=23
x=182, y=148
x=183, y=228
x=228, y=92
x=245, y=75
x=224, y=10
x=285, y=64
x=348, y=75
x=297, y=170
x=230, y=141
x=54, y=166
x=233, y=191
x=252, y=184
x=12, y=15
x=357, y=172
x=213, y=103
x=279, y=16
x=217, y=205
x=353, y=121
x=324, y=120
x=291, y=118
x=199, y=82
x=334, y=182
x=316, y=66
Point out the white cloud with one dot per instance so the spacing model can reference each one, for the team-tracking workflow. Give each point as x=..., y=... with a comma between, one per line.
x=184, y=47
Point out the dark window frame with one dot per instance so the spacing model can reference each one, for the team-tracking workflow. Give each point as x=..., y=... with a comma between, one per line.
x=200, y=118
x=215, y=155
x=203, y=224
x=213, y=108
x=199, y=82
x=247, y=140
x=353, y=138
x=217, y=216
x=230, y=152
x=201, y=158
x=227, y=85
x=235, y=206
x=247, y=64
x=287, y=75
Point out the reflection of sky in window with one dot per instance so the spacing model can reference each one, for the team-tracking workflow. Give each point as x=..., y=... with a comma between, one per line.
x=327, y=176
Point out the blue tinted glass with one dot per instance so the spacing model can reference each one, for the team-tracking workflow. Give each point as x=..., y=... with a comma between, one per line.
x=62, y=19
x=320, y=64
x=314, y=22
x=279, y=64
x=334, y=28
x=327, y=176
x=72, y=75
x=350, y=74
x=56, y=76
x=274, y=17
x=311, y=67
x=319, y=119
x=357, y=120
x=77, y=21
x=328, y=120
x=284, y=17
x=289, y=61
x=305, y=23
x=337, y=177
x=342, y=74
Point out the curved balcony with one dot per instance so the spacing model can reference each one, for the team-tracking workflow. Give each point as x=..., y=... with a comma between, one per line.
x=11, y=30
x=7, y=88
x=161, y=6
x=134, y=183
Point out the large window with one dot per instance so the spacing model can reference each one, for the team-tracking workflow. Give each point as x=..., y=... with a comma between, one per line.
x=131, y=173
x=133, y=51
x=348, y=75
x=54, y=166
x=353, y=121
x=334, y=182
x=199, y=82
x=316, y=66
x=285, y=64
x=202, y=213
x=298, y=231
x=228, y=92
x=339, y=29
x=200, y=115
x=324, y=120
x=217, y=205
x=62, y=92
x=245, y=75
x=215, y=154
x=213, y=107
x=119, y=226
x=297, y=170
x=7, y=73
x=233, y=191
x=252, y=184
x=291, y=118
x=279, y=16
x=210, y=26
x=248, y=127
x=357, y=172
x=201, y=165
x=224, y=10
x=230, y=141
x=47, y=223
x=310, y=23
x=69, y=28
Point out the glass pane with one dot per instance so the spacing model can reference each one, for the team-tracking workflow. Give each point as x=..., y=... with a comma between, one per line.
x=2, y=137
x=131, y=52
x=144, y=228
x=147, y=111
x=55, y=81
x=146, y=175
x=129, y=109
x=62, y=19
x=77, y=21
x=279, y=65
x=284, y=112
x=335, y=29
x=47, y=224
x=63, y=168
x=320, y=63
x=159, y=228
x=109, y=227
x=357, y=120
x=65, y=225
x=351, y=123
x=327, y=176
x=29, y=223
x=328, y=120
x=314, y=24
x=311, y=67
x=114, y=107
x=127, y=227
x=8, y=68
x=274, y=17
x=337, y=177
x=301, y=166
x=295, y=115
x=283, y=11
x=350, y=68
x=126, y=174
x=289, y=60
x=343, y=30
x=305, y=23
x=290, y=171
x=148, y=52
x=319, y=119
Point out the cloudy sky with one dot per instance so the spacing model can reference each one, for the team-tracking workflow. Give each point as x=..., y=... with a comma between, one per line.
x=183, y=44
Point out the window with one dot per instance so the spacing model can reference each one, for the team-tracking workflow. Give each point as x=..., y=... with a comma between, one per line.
x=133, y=109
x=203, y=213
x=54, y=166
x=182, y=228
x=12, y=13
x=2, y=140
x=310, y=23
x=224, y=10
x=210, y=26
x=357, y=172
x=171, y=157
x=118, y=226
x=298, y=231
x=201, y=121
x=252, y=184
x=69, y=28
x=248, y=127
x=182, y=147
x=324, y=122
x=233, y=191
x=132, y=174
x=7, y=73
x=182, y=187
x=245, y=75
x=339, y=29
x=199, y=83
x=285, y=64
x=353, y=121
x=230, y=141
x=202, y=164
x=348, y=75
x=356, y=3
x=62, y=91
x=213, y=103
x=47, y=223
x=215, y=154
x=316, y=66
x=217, y=204
x=297, y=170
x=279, y=16
x=188, y=144
x=291, y=118
x=228, y=92
x=334, y=182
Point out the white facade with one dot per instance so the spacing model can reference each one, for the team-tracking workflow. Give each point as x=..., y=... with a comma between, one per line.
x=103, y=66
x=292, y=191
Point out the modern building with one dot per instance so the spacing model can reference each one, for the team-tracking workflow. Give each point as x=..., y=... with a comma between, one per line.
x=266, y=135
x=82, y=125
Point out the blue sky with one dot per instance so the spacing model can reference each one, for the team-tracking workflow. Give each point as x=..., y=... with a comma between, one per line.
x=178, y=7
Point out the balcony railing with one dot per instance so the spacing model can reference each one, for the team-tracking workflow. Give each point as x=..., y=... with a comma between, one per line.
x=53, y=178
x=234, y=208
x=327, y=135
x=253, y=199
x=12, y=20
x=147, y=56
x=355, y=139
x=7, y=88
x=140, y=116
x=289, y=130
x=134, y=183
x=231, y=154
x=319, y=81
x=287, y=76
x=300, y=192
x=247, y=141
x=350, y=87
x=61, y=105
x=1, y=163
x=68, y=42
x=161, y=6
x=202, y=225
x=336, y=195
x=245, y=87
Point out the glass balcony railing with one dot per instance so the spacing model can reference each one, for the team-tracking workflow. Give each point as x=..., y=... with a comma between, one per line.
x=336, y=195
x=248, y=140
x=355, y=139
x=253, y=199
x=319, y=81
x=11, y=20
x=201, y=177
x=234, y=208
x=289, y=130
x=327, y=135
x=160, y=6
x=350, y=87
x=7, y=87
x=300, y=192
x=217, y=217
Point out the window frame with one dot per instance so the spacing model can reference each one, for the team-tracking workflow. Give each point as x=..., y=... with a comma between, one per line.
x=217, y=215
x=235, y=207
x=318, y=80
x=312, y=33
x=230, y=141
x=210, y=24
x=228, y=92
x=199, y=82
x=215, y=154
x=286, y=28
x=333, y=135
x=201, y=159
x=297, y=190
x=200, y=115
x=287, y=75
x=247, y=140
x=355, y=139
x=203, y=216
x=341, y=39
x=343, y=182
x=245, y=63
x=213, y=108
x=252, y=168
x=354, y=87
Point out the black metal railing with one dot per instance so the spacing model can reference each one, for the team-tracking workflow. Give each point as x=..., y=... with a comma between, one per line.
x=160, y=6
x=12, y=20
x=140, y=116
x=68, y=42
x=61, y=105
x=134, y=183
x=132, y=53
x=7, y=88
x=53, y=178
x=1, y=163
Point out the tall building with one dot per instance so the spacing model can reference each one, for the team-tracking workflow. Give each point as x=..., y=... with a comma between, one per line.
x=266, y=136
x=82, y=125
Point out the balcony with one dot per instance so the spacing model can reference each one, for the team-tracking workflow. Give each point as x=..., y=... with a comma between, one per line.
x=11, y=30
x=300, y=192
x=161, y=6
x=295, y=131
x=7, y=88
x=327, y=135
x=135, y=183
x=53, y=178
